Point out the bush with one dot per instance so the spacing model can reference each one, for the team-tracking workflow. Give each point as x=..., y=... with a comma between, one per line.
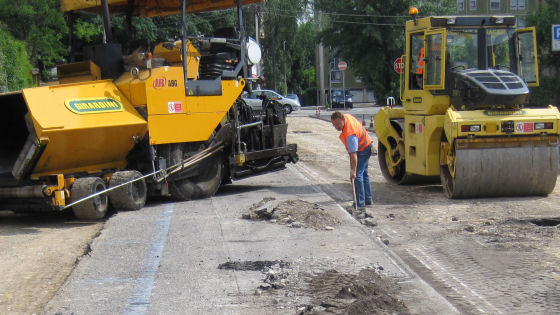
x=546, y=93
x=14, y=63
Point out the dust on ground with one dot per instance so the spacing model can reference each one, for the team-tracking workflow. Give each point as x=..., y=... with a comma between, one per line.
x=292, y=213
x=37, y=252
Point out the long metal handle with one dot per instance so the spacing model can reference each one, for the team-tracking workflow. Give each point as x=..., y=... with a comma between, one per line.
x=354, y=194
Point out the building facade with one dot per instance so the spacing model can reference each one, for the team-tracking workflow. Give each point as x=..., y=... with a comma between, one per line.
x=518, y=8
x=335, y=79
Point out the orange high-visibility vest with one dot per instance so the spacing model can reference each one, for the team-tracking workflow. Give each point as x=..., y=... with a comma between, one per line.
x=353, y=126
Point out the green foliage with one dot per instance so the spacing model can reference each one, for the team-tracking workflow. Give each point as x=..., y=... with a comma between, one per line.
x=88, y=28
x=370, y=35
x=144, y=32
x=14, y=64
x=40, y=24
x=288, y=47
x=549, y=62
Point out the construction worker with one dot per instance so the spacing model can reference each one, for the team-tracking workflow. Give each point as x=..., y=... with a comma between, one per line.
x=359, y=146
x=420, y=69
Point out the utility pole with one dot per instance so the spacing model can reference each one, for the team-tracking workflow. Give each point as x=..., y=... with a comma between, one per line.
x=257, y=35
x=284, y=62
x=321, y=65
x=331, y=63
x=257, y=39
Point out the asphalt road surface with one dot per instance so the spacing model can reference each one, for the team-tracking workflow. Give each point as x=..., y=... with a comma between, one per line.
x=213, y=256
x=164, y=258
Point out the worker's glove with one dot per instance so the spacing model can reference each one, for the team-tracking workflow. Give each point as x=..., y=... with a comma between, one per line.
x=373, y=149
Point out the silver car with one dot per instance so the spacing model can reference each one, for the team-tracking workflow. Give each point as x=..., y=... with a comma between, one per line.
x=253, y=99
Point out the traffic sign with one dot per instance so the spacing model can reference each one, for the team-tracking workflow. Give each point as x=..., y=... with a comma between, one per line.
x=398, y=65
x=342, y=65
x=555, y=37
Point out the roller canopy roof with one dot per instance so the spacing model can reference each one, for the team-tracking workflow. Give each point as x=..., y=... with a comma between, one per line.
x=148, y=8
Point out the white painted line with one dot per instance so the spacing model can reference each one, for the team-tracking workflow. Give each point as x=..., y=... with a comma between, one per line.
x=139, y=299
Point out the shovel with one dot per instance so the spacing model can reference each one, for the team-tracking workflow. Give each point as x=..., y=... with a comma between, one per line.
x=354, y=194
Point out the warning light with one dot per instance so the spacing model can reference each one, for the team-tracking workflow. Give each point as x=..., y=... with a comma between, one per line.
x=413, y=12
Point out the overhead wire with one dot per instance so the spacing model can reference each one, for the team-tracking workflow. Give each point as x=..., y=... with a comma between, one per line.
x=340, y=14
x=340, y=21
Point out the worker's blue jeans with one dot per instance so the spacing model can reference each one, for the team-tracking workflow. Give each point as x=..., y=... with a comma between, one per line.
x=363, y=189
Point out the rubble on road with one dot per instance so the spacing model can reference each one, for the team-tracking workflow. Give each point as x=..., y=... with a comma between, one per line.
x=292, y=213
x=260, y=265
x=333, y=292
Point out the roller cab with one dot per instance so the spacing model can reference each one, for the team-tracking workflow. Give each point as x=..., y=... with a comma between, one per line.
x=464, y=120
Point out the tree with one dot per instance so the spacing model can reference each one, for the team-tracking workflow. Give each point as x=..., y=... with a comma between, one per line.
x=288, y=46
x=146, y=32
x=41, y=25
x=370, y=36
x=549, y=62
x=14, y=64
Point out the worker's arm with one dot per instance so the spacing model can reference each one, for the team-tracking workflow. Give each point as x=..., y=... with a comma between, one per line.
x=352, y=147
x=353, y=164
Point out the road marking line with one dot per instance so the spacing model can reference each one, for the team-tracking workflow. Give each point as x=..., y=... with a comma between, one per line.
x=139, y=299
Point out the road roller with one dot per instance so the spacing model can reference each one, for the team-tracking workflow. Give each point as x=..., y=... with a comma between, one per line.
x=163, y=121
x=464, y=119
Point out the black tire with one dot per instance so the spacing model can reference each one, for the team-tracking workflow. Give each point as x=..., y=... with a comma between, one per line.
x=207, y=175
x=128, y=197
x=447, y=182
x=287, y=109
x=393, y=175
x=397, y=175
x=91, y=209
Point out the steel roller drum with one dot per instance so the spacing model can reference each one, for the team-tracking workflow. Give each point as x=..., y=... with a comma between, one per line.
x=513, y=171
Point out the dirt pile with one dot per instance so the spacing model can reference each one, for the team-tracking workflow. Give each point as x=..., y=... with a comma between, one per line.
x=292, y=213
x=333, y=292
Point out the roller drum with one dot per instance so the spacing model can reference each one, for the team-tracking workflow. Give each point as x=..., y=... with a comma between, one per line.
x=513, y=171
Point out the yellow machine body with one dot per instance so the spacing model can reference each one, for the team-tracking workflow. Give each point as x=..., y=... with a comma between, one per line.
x=467, y=145
x=84, y=127
x=71, y=141
x=172, y=116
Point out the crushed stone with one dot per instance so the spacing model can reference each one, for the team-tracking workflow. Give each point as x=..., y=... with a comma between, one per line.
x=292, y=213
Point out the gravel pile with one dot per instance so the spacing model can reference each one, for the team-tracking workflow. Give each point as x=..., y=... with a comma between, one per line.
x=292, y=213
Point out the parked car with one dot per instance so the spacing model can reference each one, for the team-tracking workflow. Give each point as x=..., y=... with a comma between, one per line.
x=293, y=97
x=338, y=99
x=254, y=99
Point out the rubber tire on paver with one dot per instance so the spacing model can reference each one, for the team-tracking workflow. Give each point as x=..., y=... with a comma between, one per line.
x=91, y=209
x=131, y=196
x=287, y=109
x=203, y=185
